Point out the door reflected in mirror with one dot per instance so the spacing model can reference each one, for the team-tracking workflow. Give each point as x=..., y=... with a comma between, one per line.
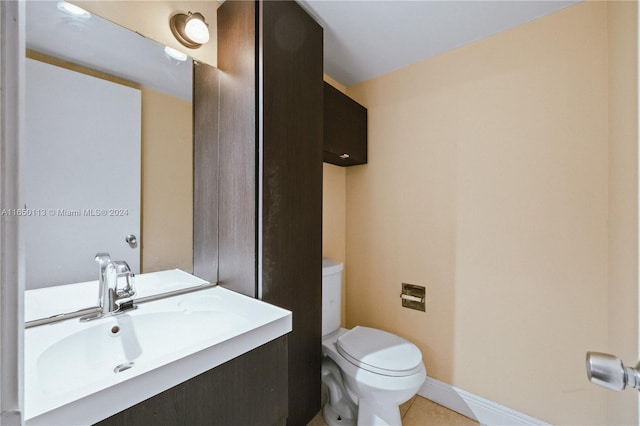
x=77, y=168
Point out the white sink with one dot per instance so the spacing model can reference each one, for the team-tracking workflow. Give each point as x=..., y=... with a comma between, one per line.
x=81, y=372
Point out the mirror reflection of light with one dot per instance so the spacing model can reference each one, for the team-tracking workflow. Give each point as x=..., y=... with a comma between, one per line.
x=73, y=10
x=173, y=53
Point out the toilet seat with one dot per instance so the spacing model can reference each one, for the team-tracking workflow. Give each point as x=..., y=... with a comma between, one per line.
x=380, y=352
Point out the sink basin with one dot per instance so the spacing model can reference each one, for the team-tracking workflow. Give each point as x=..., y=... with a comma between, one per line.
x=118, y=343
x=74, y=371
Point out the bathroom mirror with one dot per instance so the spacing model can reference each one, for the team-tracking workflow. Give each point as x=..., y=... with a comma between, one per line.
x=99, y=49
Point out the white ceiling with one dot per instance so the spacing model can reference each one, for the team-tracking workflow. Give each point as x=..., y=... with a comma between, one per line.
x=364, y=39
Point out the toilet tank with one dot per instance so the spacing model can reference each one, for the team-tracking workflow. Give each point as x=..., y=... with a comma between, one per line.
x=331, y=295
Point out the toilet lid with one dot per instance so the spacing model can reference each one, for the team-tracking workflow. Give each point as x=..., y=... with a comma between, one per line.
x=380, y=352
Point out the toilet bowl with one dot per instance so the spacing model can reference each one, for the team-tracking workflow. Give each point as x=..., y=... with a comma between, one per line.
x=368, y=372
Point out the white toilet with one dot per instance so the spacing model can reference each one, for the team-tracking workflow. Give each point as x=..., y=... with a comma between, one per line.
x=368, y=372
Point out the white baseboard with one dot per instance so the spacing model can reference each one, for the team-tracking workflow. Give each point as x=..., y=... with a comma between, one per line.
x=482, y=410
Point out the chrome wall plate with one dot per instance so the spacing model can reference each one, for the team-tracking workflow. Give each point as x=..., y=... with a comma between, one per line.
x=413, y=297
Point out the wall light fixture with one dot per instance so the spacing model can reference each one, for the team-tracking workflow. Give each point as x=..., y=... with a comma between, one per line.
x=190, y=30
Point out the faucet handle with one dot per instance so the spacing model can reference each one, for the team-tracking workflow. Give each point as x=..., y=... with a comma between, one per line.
x=123, y=270
x=128, y=290
x=102, y=258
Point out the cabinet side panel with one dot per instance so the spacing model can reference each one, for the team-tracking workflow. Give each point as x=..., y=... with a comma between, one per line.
x=205, y=171
x=292, y=190
x=237, y=162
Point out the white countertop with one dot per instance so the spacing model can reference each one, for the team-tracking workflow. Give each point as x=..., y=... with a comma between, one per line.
x=69, y=365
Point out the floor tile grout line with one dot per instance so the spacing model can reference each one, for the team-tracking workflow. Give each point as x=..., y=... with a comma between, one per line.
x=410, y=405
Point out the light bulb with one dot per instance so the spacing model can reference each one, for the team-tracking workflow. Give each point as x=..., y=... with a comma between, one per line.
x=196, y=29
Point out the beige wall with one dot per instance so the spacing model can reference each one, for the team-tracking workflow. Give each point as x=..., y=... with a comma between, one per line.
x=487, y=182
x=334, y=202
x=623, y=199
x=151, y=19
x=167, y=182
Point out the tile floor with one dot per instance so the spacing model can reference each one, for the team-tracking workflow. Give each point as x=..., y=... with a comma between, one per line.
x=419, y=411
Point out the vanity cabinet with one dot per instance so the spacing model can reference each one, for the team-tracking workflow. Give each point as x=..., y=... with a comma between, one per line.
x=345, y=129
x=266, y=159
x=248, y=390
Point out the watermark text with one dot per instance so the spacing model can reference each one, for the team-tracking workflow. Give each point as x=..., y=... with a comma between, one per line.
x=101, y=212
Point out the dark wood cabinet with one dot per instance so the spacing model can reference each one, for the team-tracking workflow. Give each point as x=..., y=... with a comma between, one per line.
x=345, y=129
x=248, y=390
x=270, y=59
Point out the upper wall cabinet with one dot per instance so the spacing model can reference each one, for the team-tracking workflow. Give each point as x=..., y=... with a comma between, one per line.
x=345, y=129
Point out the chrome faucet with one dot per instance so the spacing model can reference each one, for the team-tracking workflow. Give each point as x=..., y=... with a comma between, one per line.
x=103, y=260
x=113, y=297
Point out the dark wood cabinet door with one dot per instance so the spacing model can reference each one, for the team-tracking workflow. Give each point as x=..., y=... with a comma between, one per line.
x=291, y=51
x=345, y=129
x=248, y=390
